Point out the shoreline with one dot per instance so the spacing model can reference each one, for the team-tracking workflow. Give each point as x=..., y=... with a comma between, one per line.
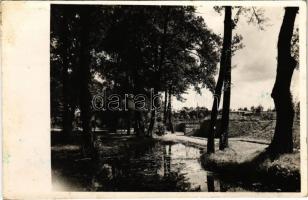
x=247, y=160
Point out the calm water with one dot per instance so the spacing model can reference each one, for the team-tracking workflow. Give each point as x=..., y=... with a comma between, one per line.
x=157, y=166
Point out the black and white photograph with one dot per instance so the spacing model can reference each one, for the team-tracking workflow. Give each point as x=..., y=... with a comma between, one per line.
x=175, y=98
x=153, y=99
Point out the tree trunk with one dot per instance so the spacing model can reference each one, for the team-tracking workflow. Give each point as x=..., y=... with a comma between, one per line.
x=85, y=96
x=223, y=139
x=67, y=118
x=67, y=108
x=282, y=141
x=217, y=94
x=170, y=113
x=152, y=123
x=153, y=117
x=160, y=65
x=129, y=115
x=210, y=183
x=139, y=123
x=165, y=106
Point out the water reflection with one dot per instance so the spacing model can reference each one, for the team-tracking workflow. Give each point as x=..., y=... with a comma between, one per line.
x=210, y=183
x=156, y=166
x=167, y=160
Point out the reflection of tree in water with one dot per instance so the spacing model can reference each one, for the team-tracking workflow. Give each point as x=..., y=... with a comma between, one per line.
x=210, y=183
x=137, y=170
x=223, y=186
x=217, y=183
x=167, y=159
x=173, y=180
x=152, y=167
x=214, y=184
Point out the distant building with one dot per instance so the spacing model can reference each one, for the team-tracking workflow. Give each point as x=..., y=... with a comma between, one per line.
x=242, y=112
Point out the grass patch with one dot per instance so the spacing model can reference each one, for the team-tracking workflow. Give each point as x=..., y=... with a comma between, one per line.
x=255, y=163
x=253, y=127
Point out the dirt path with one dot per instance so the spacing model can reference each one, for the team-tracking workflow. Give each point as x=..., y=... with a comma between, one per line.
x=248, y=145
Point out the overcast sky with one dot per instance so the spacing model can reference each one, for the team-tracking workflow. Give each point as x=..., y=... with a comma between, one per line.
x=254, y=75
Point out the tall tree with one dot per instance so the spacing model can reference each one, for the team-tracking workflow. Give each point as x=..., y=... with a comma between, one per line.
x=170, y=124
x=282, y=141
x=165, y=106
x=162, y=46
x=224, y=78
x=223, y=135
x=62, y=92
x=67, y=110
x=85, y=75
x=226, y=50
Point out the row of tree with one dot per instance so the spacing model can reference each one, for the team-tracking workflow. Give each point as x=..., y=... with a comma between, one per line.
x=287, y=54
x=127, y=50
x=201, y=112
x=165, y=49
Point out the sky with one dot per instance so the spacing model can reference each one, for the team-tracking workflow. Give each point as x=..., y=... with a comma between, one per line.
x=254, y=71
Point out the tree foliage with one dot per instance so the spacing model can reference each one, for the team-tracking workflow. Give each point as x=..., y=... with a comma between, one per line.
x=130, y=49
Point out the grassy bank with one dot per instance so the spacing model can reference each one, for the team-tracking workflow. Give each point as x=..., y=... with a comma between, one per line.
x=254, y=127
x=252, y=162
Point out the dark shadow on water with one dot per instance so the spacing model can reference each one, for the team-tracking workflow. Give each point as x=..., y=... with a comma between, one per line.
x=249, y=176
x=210, y=183
x=139, y=166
